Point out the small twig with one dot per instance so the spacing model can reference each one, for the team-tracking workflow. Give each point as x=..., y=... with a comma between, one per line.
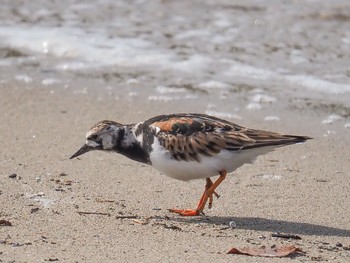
x=285, y=236
x=93, y=213
x=225, y=228
x=141, y=222
x=104, y=200
x=126, y=217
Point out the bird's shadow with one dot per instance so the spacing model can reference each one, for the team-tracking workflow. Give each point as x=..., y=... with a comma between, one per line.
x=270, y=225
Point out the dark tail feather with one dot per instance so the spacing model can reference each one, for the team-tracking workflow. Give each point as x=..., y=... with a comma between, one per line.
x=281, y=141
x=297, y=139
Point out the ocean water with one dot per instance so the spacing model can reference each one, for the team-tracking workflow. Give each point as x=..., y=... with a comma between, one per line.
x=227, y=57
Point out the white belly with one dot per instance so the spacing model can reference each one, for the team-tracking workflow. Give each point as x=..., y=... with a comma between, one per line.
x=207, y=167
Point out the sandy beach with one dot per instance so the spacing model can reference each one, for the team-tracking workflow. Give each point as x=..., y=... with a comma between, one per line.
x=301, y=190
x=63, y=68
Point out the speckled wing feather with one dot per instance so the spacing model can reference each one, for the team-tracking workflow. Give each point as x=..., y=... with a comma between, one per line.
x=187, y=136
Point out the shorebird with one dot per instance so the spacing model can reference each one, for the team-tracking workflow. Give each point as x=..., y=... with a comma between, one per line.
x=187, y=147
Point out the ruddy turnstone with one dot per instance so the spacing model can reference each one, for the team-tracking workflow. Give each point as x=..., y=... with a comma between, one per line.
x=187, y=147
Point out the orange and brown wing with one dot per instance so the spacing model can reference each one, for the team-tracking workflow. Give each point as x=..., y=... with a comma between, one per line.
x=188, y=136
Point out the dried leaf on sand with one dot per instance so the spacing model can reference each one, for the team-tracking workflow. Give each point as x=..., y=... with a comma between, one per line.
x=266, y=252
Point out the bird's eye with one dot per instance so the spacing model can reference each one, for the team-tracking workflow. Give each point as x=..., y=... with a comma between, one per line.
x=93, y=137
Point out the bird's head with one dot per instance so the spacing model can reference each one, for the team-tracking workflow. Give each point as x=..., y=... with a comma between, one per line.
x=104, y=135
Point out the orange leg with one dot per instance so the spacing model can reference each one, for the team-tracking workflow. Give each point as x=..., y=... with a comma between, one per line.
x=207, y=186
x=208, y=194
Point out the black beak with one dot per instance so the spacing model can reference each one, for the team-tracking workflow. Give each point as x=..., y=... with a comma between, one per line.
x=84, y=149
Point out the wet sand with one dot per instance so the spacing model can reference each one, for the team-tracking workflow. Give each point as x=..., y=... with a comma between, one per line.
x=301, y=189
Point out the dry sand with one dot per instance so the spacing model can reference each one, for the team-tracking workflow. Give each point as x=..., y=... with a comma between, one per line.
x=301, y=190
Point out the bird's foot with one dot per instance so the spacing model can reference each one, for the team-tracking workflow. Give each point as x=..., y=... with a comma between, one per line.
x=186, y=212
x=216, y=194
x=210, y=204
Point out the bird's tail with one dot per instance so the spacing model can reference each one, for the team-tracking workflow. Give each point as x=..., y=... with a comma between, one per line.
x=278, y=141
